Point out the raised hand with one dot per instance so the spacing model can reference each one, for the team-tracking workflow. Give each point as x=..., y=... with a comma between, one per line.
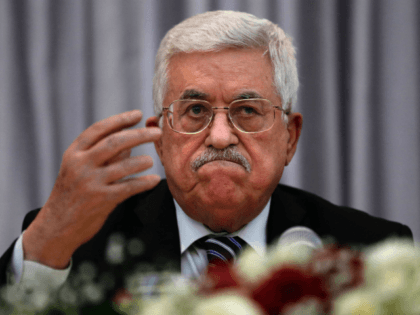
x=90, y=184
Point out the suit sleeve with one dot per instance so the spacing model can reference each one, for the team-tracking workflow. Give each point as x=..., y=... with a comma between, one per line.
x=7, y=256
x=406, y=232
x=4, y=263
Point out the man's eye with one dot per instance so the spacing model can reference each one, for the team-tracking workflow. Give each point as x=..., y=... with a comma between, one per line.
x=248, y=110
x=196, y=109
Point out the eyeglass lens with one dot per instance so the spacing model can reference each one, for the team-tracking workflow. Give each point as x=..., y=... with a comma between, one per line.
x=191, y=116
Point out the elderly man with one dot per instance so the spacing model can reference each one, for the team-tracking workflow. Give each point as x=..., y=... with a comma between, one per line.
x=224, y=89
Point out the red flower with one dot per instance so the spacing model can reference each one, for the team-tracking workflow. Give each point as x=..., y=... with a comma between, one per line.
x=340, y=267
x=122, y=296
x=288, y=285
x=220, y=277
x=330, y=272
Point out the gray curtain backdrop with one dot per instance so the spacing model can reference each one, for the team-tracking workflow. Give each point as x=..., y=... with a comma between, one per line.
x=65, y=64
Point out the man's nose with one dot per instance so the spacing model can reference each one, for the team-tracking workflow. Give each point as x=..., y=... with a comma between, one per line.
x=222, y=132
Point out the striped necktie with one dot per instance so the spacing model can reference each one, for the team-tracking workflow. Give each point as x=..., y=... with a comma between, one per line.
x=222, y=249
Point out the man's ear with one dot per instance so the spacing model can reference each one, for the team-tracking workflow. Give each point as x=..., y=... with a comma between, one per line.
x=294, y=127
x=154, y=122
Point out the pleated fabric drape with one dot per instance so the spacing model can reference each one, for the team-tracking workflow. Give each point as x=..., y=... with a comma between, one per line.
x=66, y=64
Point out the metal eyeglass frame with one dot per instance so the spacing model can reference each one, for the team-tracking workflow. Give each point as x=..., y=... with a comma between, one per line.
x=227, y=108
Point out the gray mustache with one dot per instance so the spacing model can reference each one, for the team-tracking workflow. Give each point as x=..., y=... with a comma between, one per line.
x=228, y=154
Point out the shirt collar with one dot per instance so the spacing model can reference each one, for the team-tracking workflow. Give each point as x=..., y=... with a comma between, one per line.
x=254, y=233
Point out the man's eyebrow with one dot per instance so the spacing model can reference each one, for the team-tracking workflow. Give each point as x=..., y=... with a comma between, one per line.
x=198, y=95
x=247, y=95
x=194, y=94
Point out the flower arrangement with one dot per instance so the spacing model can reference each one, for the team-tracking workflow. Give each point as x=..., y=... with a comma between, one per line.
x=381, y=279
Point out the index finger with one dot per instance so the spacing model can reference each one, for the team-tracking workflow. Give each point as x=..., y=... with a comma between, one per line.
x=105, y=127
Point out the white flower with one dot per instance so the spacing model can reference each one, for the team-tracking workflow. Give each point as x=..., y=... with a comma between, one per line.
x=393, y=273
x=358, y=302
x=172, y=304
x=115, y=249
x=93, y=293
x=27, y=300
x=398, y=257
x=251, y=266
x=310, y=306
x=160, y=306
x=227, y=304
x=288, y=255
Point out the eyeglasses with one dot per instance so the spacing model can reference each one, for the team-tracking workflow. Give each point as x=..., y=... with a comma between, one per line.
x=247, y=115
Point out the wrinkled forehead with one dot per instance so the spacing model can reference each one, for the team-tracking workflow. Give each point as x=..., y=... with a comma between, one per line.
x=231, y=67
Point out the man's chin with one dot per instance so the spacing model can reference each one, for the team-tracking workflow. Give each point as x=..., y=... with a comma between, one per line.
x=221, y=191
x=224, y=226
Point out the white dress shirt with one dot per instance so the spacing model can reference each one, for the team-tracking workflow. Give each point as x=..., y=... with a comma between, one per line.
x=24, y=273
x=194, y=261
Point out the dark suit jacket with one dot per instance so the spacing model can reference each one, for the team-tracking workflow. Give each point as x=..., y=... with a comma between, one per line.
x=151, y=217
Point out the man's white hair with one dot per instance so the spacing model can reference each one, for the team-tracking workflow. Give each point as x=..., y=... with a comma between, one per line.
x=217, y=30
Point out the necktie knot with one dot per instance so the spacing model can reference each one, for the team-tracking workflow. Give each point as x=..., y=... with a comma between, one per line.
x=222, y=249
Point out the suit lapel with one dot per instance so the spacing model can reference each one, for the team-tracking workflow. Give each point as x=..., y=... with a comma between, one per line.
x=156, y=211
x=285, y=213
